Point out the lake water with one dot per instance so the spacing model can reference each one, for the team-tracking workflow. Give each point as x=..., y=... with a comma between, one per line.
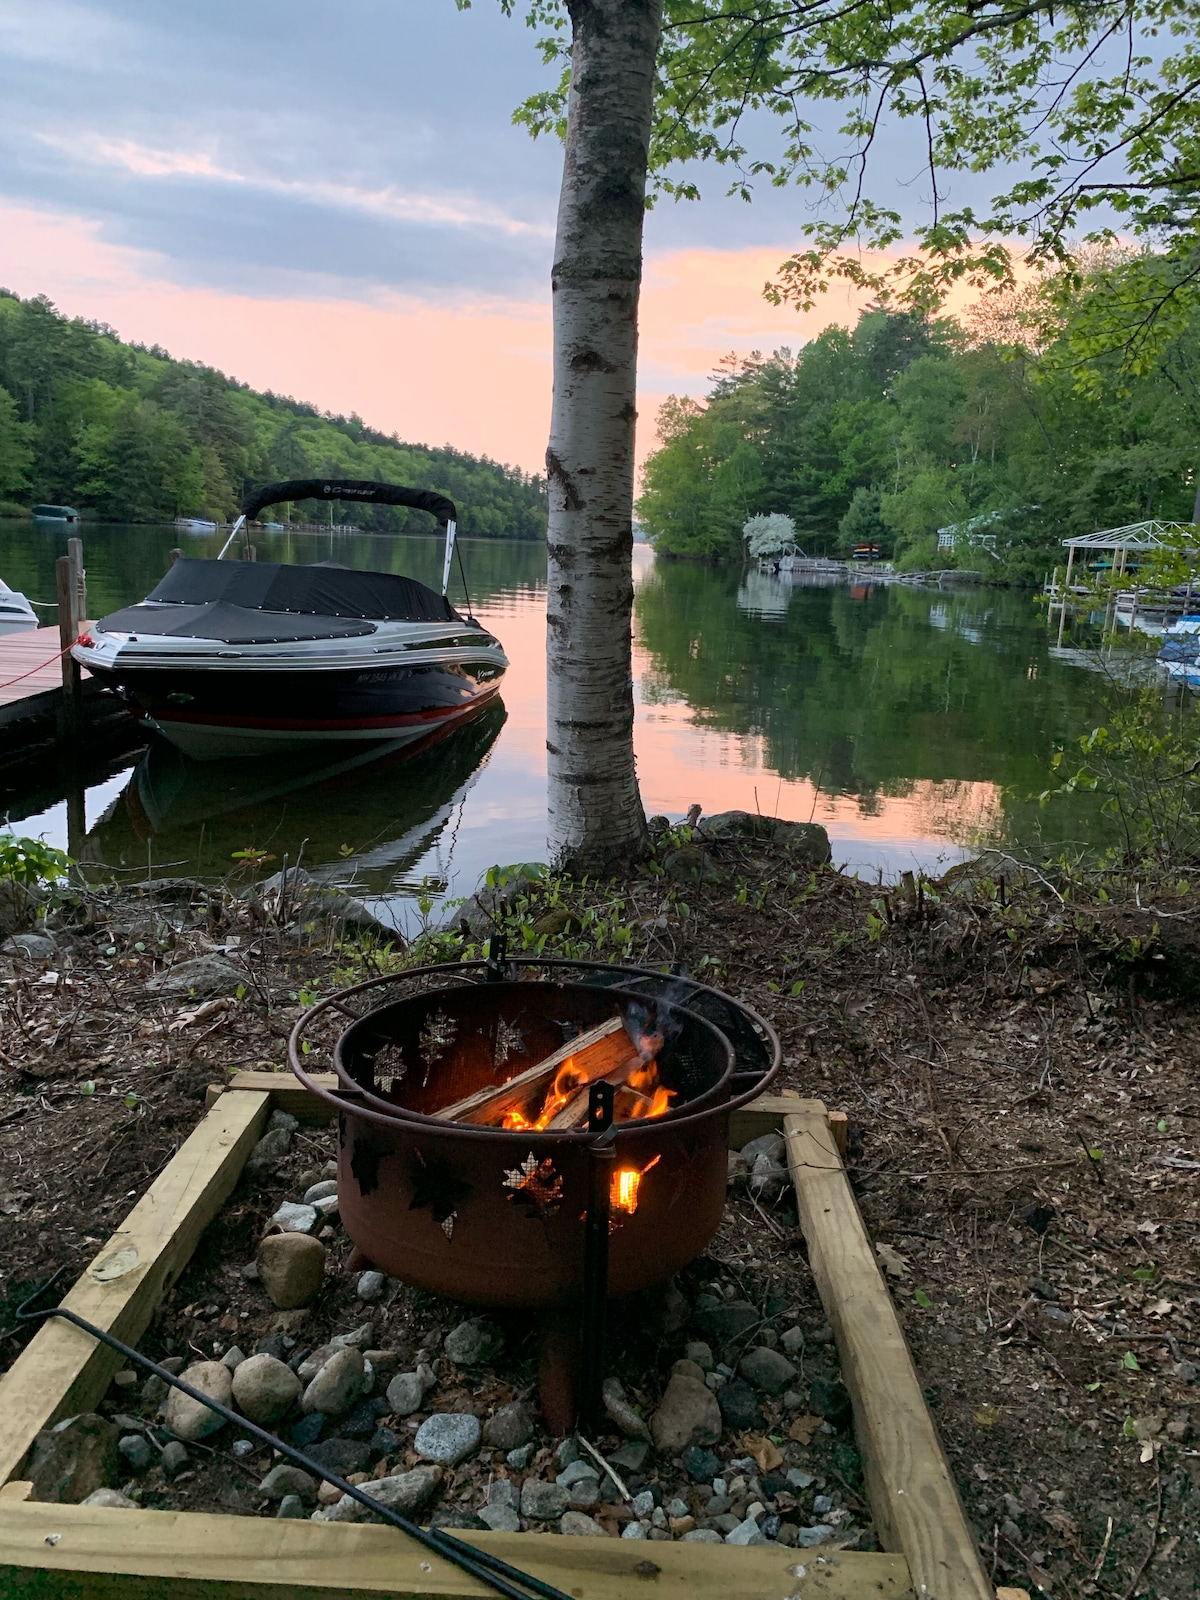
x=912, y=723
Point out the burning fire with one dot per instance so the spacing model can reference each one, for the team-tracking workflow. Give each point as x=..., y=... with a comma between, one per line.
x=626, y=1182
x=647, y=1096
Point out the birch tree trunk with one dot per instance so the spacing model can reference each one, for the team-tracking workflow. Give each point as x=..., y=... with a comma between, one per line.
x=595, y=811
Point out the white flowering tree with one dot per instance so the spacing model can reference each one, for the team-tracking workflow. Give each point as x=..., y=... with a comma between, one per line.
x=768, y=535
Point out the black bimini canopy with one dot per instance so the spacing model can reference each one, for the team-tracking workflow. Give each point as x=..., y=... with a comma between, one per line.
x=316, y=591
x=363, y=489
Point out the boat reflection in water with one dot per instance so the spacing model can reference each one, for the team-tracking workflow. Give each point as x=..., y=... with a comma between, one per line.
x=367, y=818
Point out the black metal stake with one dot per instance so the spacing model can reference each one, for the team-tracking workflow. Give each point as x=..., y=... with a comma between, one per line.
x=601, y=1159
x=481, y=1564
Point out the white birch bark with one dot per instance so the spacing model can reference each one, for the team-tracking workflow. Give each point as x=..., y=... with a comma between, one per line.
x=595, y=817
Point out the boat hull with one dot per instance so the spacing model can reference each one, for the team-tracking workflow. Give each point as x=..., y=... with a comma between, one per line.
x=213, y=715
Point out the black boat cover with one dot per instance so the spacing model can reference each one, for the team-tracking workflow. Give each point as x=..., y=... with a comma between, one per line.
x=362, y=489
x=317, y=591
x=230, y=624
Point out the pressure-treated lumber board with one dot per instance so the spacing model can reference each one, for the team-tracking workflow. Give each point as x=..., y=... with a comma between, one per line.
x=112, y=1554
x=913, y=1498
x=63, y=1370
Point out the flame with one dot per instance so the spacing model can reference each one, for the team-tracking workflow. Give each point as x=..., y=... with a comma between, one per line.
x=650, y=1097
x=626, y=1183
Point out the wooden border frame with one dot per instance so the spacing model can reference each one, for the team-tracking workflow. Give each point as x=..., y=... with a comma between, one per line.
x=105, y=1554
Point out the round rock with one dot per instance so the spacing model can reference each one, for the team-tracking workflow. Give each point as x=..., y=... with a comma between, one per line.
x=767, y=1370
x=286, y=1479
x=405, y=1394
x=188, y=1418
x=294, y=1218
x=338, y=1384
x=688, y=1415
x=265, y=1389
x=474, y=1343
x=448, y=1437
x=509, y=1428
x=291, y=1268
x=543, y=1502
x=136, y=1450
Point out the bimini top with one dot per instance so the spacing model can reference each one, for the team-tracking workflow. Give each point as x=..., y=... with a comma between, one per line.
x=265, y=602
x=360, y=489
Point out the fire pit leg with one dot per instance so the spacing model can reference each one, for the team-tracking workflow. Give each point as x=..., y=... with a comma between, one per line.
x=558, y=1368
x=601, y=1155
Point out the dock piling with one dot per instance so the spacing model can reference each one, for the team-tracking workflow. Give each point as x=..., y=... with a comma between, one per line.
x=66, y=574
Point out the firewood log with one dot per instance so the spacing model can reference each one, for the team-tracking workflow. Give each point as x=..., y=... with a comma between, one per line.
x=597, y=1052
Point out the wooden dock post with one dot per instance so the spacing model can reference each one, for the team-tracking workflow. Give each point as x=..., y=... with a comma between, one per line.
x=68, y=632
x=75, y=557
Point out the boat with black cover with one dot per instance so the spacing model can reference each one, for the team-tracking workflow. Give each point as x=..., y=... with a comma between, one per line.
x=247, y=657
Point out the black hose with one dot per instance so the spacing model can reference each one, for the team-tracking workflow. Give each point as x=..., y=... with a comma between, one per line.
x=480, y=1564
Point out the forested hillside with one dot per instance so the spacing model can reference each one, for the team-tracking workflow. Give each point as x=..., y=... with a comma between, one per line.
x=904, y=425
x=129, y=435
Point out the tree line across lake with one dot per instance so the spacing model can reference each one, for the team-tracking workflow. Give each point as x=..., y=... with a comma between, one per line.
x=126, y=434
x=1010, y=427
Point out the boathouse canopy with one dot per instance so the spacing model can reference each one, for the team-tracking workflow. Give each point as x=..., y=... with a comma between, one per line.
x=1133, y=536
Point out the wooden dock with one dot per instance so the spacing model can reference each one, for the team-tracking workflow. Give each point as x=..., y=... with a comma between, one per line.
x=31, y=675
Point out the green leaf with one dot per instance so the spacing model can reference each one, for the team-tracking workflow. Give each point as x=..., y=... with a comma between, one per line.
x=88, y=1088
x=923, y=1300
x=1092, y=1387
x=1130, y=1362
x=131, y=1100
x=1162, y=1126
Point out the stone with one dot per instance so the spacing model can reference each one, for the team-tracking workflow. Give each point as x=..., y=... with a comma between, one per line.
x=792, y=1341
x=677, y=1508
x=474, y=1343
x=29, y=946
x=405, y=1492
x=829, y=1398
x=291, y=1506
x=573, y=1471
x=630, y=1457
x=703, y=1536
x=320, y=1191
x=265, y=1389
x=738, y=1406
x=747, y=1532
x=579, y=1524
x=700, y=1353
x=584, y=1493
x=154, y=1391
x=688, y=1369
x=565, y=1452
x=455, y=1517
x=806, y=842
x=202, y=977
x=448, y=1437
x=822, y=1505
x=808, y=1538
x=729, y=1321
x=541, y=1501
x=504, y=1492
x=286, y=1479
x=642, y=1504
x=621, y=1412
x=308, y=1430
x=688, y=1414
x=136, y=1451
x=173, y=1459
x=294, y=1218
x=342, y=1456
x=691, y=863
x=191, y=1419
x=338, y=1384
x=405, y=1394
x=383, y=1442
x=269, y=1151
x=291, y=1268
x=509, y=1427
x=520, y=1458
x=799, y=1479
x=74, y=1458
x=767, y=1181
x=501, y=1519
x=234, y=1357
x=771, y=1145
x=370, y=1286
x=110, y=1497
x=326, y=1208
x=274, y=1344
x=360, y=1423
x=767, y=1370
x=700, y=1465
x=241, y=1448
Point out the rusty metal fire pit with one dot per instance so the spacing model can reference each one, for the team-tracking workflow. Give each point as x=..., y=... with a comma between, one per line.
x=497, y=1216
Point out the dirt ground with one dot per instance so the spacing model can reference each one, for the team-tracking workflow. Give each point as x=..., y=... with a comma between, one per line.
x=1020, y=1072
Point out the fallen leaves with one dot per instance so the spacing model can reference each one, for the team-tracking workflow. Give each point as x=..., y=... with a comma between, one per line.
x=764, y=1452
x=803, y=1428
x=893, y=1263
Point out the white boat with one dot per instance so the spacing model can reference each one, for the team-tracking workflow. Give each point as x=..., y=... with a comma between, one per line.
x=15, y=611
x=195, y=525
x=1180, y=653
x=252, y=657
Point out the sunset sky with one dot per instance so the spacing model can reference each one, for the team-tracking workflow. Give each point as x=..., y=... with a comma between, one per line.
x=332, y=202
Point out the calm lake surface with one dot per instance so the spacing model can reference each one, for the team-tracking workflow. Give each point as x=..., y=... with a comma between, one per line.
x=913, y=723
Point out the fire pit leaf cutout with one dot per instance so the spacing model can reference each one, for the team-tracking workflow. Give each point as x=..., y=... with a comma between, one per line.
x=537, y=1186
x=438, y=1186
x=509, y=1041
x=438, y=1033
x=389, y=1067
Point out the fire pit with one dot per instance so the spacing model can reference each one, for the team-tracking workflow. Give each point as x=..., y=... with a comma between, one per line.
x=467, y=1164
